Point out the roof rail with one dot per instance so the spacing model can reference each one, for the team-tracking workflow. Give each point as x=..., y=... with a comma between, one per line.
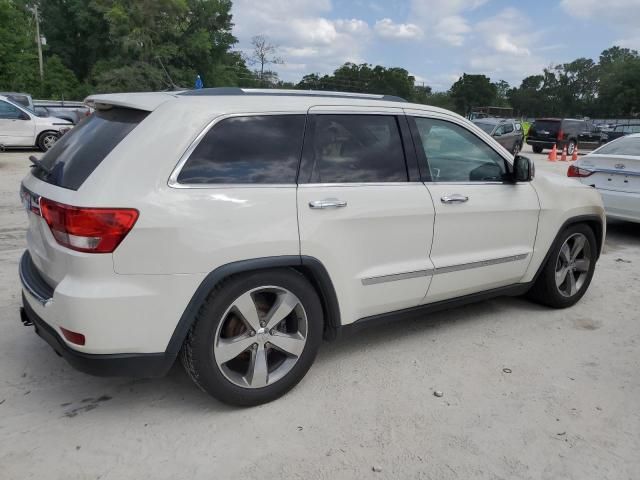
x=230, y=91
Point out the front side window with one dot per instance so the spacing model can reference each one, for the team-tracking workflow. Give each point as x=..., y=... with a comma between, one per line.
x=9, y=112
x=261, y=149
x=508, y=127
x=454, y=154
x=354, y=149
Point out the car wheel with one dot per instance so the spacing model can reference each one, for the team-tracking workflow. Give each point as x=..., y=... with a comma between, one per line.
x=569, y=269
x=255, y=337
x=516, y=148
x=46, y=140
x=537, y=149
x=571, y=146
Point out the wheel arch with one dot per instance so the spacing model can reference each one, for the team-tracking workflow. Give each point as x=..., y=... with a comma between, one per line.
x=594, y=222
x=310, y=267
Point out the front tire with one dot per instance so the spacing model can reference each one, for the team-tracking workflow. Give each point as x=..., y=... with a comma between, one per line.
x=571, y=146
x=255, y=337
x=46, y=140
x=516, y=148
x=567, y=274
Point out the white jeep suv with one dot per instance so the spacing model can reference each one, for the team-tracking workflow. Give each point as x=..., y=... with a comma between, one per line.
x=238, y=228
x=21, y=127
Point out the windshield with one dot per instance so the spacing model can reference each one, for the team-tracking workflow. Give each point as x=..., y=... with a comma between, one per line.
x=622, y=146
x=487, y=127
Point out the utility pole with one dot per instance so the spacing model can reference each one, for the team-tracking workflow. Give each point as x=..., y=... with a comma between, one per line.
x=39, y=42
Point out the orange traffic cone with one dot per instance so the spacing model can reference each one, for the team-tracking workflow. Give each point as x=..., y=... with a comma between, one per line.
x=574, y=157
x=553, y=154
x=563, y=158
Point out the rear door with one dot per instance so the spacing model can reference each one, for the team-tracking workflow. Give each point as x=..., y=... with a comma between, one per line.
x=485, y=227
x=362, y=209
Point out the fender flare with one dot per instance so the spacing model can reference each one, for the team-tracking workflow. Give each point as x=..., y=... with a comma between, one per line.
x=311, y=267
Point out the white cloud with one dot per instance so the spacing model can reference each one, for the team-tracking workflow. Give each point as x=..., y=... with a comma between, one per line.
x=452, y=30
x=387, y=28
x=307, y=38
x=619, y=15
x=502, y=47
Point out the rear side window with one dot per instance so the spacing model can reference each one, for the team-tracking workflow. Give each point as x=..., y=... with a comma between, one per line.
x=354, y=149
x=78, y=153
x=623, y=146
x=254, y=149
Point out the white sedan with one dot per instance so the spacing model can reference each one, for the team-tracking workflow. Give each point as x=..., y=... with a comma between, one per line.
x=614, y=169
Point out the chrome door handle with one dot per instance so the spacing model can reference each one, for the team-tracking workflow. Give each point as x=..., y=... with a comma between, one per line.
x=454, y=198
x=328, y=203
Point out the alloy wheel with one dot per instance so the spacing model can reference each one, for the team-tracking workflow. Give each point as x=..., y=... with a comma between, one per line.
x=572, y=265
x=261, y=337
x=49, y=140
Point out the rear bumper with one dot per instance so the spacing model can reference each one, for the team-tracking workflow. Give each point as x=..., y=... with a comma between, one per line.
x=545, y=143
x=107, y=365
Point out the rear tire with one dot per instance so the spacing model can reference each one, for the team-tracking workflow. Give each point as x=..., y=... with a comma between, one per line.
x=537, y=149
x=567, y=274
x=571, y=146
x=239, y=351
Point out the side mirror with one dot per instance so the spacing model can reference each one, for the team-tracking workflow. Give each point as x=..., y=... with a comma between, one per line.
x=523, y=169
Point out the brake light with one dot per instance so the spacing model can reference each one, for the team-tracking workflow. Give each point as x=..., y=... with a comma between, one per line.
x=560, y=134
x=94, y=230
x=578, y=172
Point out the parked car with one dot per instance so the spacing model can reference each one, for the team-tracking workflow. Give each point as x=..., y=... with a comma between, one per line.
x=614, y=169
x=71, y=111
x=620, y=131
x=21, y=127
x=507, y=132
x=22, y=99
x=565, y=132
x=238, y=228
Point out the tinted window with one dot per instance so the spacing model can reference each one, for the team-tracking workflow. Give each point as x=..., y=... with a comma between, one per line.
x=256, y=149
x=9, y=112
x=355, y=149
x=508, y=127
x=78, y=153
x=623, y=146
x=456, y=155
x=574, y=126
x=551, y=126
x=487, y=127
x=20, y=99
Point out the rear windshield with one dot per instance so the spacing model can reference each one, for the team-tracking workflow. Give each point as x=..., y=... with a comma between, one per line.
x=551, y=126
x=78, y=153
x=487, y=127
x=624, y=146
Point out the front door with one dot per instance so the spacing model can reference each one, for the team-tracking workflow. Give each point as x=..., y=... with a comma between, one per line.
x=485, y=227
x=16, y=128
x=361, y=213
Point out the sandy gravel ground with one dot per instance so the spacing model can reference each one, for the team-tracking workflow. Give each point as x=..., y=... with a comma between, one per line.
x=569, y=409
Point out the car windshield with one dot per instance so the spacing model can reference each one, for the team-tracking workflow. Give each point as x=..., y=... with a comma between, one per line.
x=487, y=127
x=623, y=146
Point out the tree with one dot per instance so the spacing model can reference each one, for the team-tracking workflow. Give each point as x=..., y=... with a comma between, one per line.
x=18, y=55
x=472, y=91
x=502, y=93
x=263, y=54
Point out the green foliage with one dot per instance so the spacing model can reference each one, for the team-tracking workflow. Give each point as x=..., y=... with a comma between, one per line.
x=472, y=91
x=118, y=45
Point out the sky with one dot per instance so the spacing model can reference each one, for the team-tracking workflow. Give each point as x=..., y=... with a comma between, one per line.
x=437, y=40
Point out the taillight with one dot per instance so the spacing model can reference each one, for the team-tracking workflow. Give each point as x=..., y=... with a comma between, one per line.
x=560, y=134
x=578, y=172
x=73, y=337
x=94, y=230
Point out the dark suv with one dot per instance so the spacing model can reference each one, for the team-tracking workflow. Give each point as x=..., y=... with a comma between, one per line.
x=620, y=131
x=563, y=132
